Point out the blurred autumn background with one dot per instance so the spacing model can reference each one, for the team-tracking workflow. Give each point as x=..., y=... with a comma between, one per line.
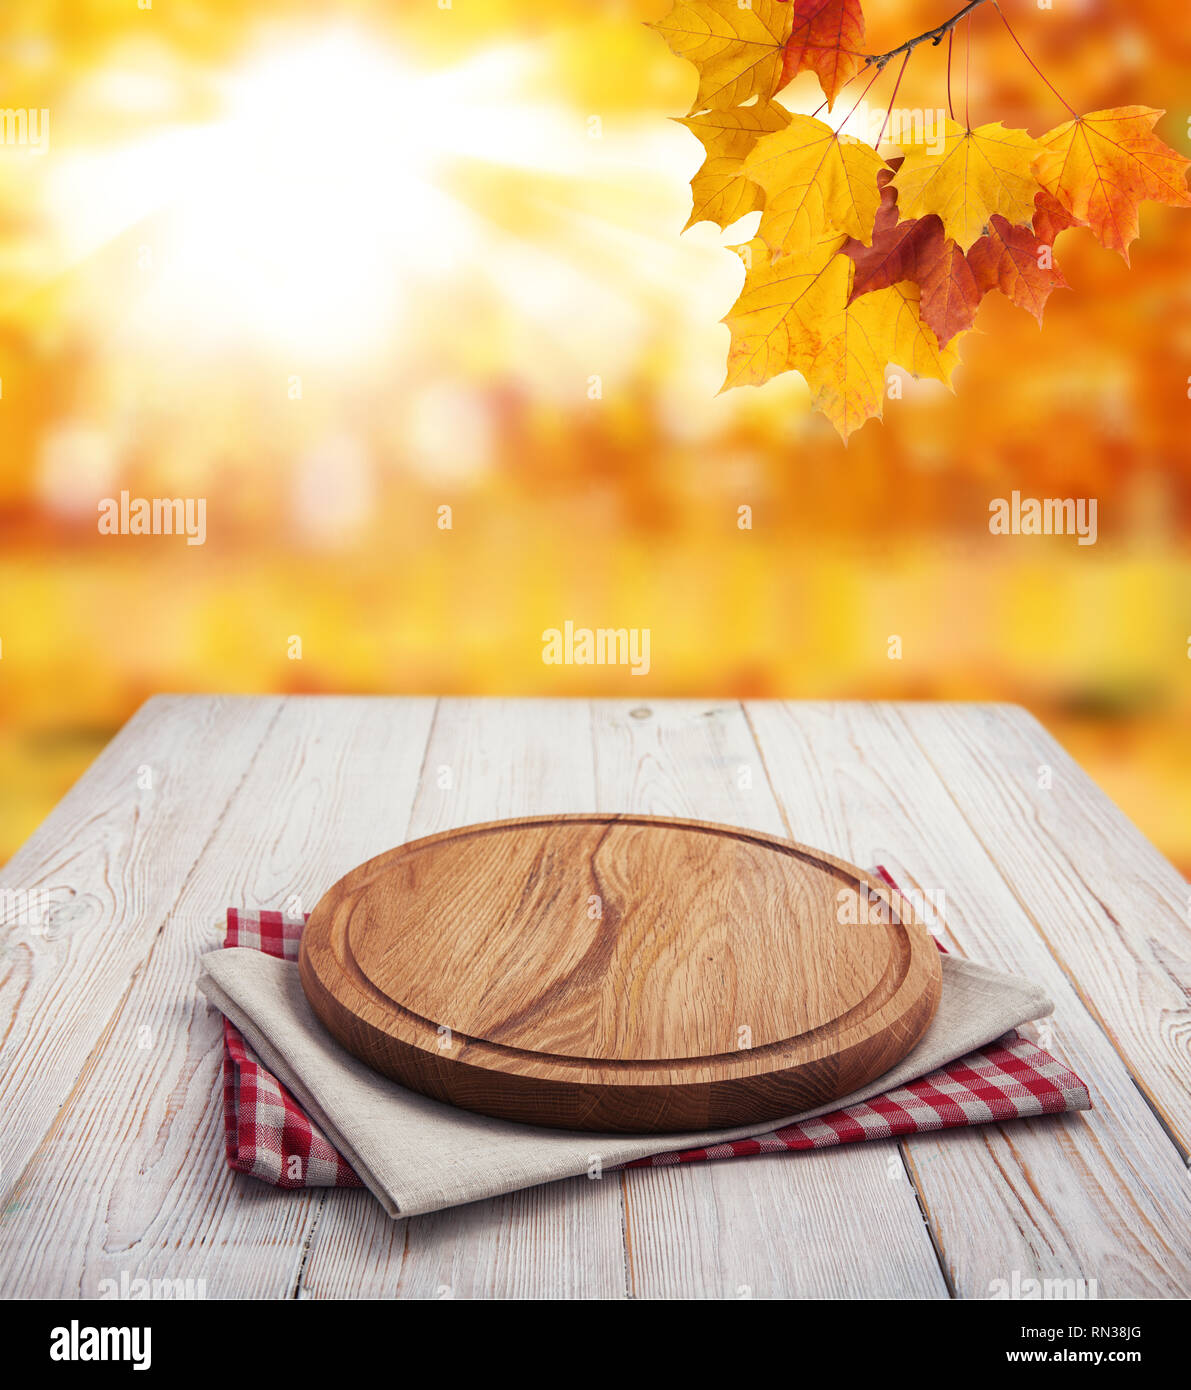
x=334, y=266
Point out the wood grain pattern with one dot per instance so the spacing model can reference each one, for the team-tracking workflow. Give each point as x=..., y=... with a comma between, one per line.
x=1114, y=916
x=112, y=858
x=132, y=1178
x=1102, y=1195
x=833, y=1224
x=485, y=759
x=617, y=972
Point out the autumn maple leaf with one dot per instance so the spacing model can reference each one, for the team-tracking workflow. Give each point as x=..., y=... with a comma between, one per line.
x=736, y=49
x=1099, y=167
x=1051, y=217
x=1017, y=262
x=797, y=313
x=978, y=172
x=814, y=181
x=720, y=192
x=825, y=38
x=917, y=249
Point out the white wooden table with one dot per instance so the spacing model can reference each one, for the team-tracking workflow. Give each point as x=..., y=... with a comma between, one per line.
x=111, y=1140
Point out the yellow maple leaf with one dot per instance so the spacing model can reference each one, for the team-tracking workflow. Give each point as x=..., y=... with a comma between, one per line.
x=720, y=191
x=736, y=50
x=814, y=182
x=793, y=314
x=914, y=344
x=774, y=323
x=975, y=174
x=1102, y=165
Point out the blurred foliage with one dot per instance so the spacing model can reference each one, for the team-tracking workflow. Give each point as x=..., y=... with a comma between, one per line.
x=507, y=321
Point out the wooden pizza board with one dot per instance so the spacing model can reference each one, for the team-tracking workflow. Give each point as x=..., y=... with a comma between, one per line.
x=619, y=972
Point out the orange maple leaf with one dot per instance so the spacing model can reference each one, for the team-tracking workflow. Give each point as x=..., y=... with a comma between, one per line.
x=1017, y=262
x=826, y=39
x=1051, y=217
x=1099, y=167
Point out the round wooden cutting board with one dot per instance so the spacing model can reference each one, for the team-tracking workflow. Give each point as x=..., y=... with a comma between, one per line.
x=620, y=972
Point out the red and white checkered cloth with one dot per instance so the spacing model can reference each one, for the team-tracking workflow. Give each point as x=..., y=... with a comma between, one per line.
x=265, y=1131
x=268, y=1134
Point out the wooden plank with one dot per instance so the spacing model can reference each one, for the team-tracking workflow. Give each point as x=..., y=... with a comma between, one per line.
x=1100, y=1196
x=1112, y=911
x=132, y=1179
x=790, y=1225
x=112, y=857
x=486, y=760
x=560, y=1240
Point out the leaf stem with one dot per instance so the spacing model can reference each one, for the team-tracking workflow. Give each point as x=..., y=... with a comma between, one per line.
x=859, y=99
x=935, y=35
x=892, y=99
x=1032, y=63
x=968, y=76
x=843, y=88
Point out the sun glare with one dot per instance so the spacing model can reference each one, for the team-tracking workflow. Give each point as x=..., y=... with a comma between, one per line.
x=344, y=206
x=313, y=202
x=305, y=213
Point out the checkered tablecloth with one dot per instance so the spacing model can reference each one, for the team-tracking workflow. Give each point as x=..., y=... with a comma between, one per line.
x=268, y=1134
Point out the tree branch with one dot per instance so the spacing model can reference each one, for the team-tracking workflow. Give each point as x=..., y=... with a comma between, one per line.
x=936, y=37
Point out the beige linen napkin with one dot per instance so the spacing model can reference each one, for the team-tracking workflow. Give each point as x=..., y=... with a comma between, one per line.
x=418, y=1155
